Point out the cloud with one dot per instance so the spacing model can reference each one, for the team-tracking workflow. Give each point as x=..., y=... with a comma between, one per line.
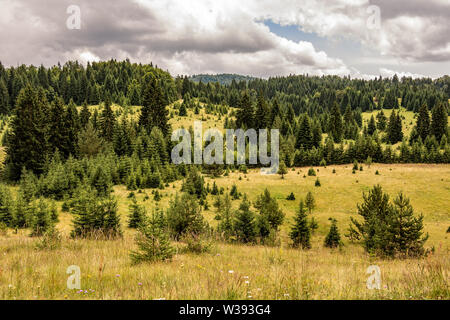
x=387, y=73
x=219, y=36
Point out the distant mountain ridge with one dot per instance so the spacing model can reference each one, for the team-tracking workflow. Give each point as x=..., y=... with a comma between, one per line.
x=224, y=78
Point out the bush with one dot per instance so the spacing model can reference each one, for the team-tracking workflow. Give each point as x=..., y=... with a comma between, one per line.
x=50, y=240
x=311, y=172
x=152, y=241
x=197, y=244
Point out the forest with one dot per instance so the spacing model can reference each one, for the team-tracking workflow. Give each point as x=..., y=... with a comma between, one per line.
x=81, y=144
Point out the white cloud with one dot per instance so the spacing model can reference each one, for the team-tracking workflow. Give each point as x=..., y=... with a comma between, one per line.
x=221, y=36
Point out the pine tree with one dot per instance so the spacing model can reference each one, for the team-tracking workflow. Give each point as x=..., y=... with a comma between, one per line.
x=101, y=182
x=268, y=207
x=6, y=206
x=439, y=121
x=107, y=122
x=41, y=219
x=282, y=169
x=89, y=142
x=381, y=121
x=225, y=215
x=301, y=233
x=244, y=224
x=85, y=115
x=4, y=98
x=245, y=113
x=153, y=242
x=336, y=127
x=137, y=214
x=423, y=122
x=394, y=130
x=372, y=126
x=183, y=111
x=304, y=135
x=262, y=113
x=333, y=238
x=310, y=202
x=153, y=112
x=28, y=142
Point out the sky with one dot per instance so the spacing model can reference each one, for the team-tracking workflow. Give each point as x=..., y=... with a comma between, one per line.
x=360, y=38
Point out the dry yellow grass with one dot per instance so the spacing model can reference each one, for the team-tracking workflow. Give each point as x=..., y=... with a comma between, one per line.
x=272, y=273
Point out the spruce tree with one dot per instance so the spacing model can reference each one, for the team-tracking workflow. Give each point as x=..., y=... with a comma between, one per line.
x=245, y=113
x=153, y=112
x=423, y=122
x=6, y=206
x=28, y=142
x=107, y=122
x=4, y=98
x=310, y=202
x=333, y=238
x=304, y=135
x=245, y=224
x=301, y=233
x=137, y=214
x=372, y=126
x=85, y=115
x=41, y=219
x=336, y=127
x=439, y=121
x=153, y=242
x=381, y=121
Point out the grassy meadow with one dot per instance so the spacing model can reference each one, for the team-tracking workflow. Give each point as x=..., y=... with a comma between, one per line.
x=243, y=271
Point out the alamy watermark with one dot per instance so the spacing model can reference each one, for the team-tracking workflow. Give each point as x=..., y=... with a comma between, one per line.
x=256, y=149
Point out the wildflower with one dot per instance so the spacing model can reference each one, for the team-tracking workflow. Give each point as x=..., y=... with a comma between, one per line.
x=230, y=271
x=140, y=284
x=65, y=296
x=117, y=275
x=247, y=282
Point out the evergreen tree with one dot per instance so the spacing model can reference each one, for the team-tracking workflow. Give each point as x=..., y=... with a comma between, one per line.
x=184, y=216
x=372, y=126
x=268, y=208
x=336, y=127
x=154, y=112
x=41, y=219
x=6, y=206
x=388, y=229
x=394, y=130
x=107, y=122
x=282, y=169
x=381, y=121
x=137, y=214
x=225, y=215
x=89, y=142
x=245, y=113
x=244, y=224
x=85, y=115
x=439, y=121
x=423, y=122
x=4, y=97
x=310, y=202
x=153, y=242
x=301, y=233
x=304, y=135
x=28, y=142
x=333, y=238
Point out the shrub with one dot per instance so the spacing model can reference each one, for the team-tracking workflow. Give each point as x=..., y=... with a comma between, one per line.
x=197, y=244
x=311, y=172
x=235, y=195
x=317, y=183
x=50, y=240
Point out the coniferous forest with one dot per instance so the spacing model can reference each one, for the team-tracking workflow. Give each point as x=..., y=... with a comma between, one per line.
x=86, y=156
